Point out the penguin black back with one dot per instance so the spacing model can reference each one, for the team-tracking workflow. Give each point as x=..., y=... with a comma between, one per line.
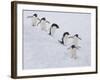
x=76, y=35
x=43, y=18
x=73, y=46
x=62, y=41
x=53, y=25
x=66, y=33
x=35, y=15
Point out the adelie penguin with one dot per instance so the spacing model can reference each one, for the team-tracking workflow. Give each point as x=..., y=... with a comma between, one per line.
x=73, y=51
x=65, y=37
x=53, y=29
x=76, y=39
x=43, y=24
x=35, y=19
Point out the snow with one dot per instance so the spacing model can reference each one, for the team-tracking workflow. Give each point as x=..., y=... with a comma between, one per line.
x=41, y=50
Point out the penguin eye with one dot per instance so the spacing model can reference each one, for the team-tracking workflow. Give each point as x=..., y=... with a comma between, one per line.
x=76, y=35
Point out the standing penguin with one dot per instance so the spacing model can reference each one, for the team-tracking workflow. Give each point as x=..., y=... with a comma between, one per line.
x=53, y=29
x=73, y=51
x=35, y=19
x=65, y=38
x=43, y=24
x=76, y=39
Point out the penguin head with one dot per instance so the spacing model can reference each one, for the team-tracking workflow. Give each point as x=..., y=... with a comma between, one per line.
x=54, y=25
x=73, y=46
x=43, y=19
x=76, y=35
x=35, y=15
x=66, y=33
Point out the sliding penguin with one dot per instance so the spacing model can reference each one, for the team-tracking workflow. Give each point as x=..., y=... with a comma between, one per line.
x=73, y=51
x=35, y=19
x=43, y=24
x=53, y=29
x=65, y=38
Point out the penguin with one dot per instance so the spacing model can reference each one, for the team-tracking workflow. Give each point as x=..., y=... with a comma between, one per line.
x=35, y=19
x=53, y=29
x=65, y=38
x=76, y=39
x=43, y=24
x=73, y=51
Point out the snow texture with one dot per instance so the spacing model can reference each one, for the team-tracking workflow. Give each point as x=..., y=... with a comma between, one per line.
x=41, y=50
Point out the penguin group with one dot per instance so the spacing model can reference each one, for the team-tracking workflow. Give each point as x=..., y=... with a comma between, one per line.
x=42, y=22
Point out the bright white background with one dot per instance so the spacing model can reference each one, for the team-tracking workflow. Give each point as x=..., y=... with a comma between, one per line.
x=5, y=40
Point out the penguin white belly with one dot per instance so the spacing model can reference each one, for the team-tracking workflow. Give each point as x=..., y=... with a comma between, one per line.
x=34, y=21
x=75, y=41
x=65, y=40
x=57, y=34
x=43, y=26
x=48, y=28
x=73, y=52
x=53, y=31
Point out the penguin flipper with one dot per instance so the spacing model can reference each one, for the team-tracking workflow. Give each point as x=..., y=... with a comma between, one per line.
x=49, y=33
x=60, y=41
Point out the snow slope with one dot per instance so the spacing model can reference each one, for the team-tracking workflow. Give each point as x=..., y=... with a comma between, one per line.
x=43, y=51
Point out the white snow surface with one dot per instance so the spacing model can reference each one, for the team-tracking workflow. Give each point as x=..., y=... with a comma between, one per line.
x=40, y=50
